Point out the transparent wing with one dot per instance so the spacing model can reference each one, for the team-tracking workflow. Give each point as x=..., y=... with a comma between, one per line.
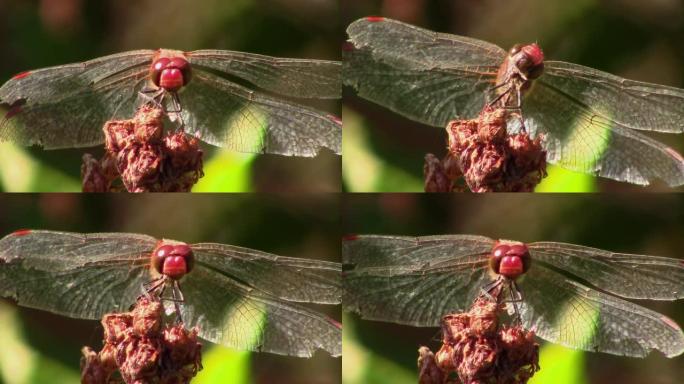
x=431, y=96
x=387, y=251
x=241, y=317
x=568, y=313
x=622, y=274
x=578, y=139
x=226, y=114
x=289, y=278
x=426, y=76
x=292, y=77
x=66, y=106
x=73, y=274
x=413, y=280
x=405, y=45
x=628, y=103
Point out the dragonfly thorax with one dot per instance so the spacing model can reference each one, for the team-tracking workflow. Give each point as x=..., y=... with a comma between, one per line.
x=173, y=260
x=509, y=259
x=523, y=64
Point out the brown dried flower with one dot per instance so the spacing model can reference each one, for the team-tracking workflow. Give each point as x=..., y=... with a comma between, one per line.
x=487, y=157
x=142, y=349
x=476, y=349
x=143, y=157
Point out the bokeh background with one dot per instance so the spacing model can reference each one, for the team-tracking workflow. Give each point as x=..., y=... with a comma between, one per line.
x=40, y=347
x=41, y=33
x=380, y=352
x=639, y=40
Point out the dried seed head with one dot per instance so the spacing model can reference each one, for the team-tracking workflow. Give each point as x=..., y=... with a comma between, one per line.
x=147, y=317
x=487, y=157
x=430, y=373
x=98, y=176
x=478, y=350
x=93, y=371
x=436, y=179
x=138, y=358
x=143, y=351
x=143, y=157
x=115, y=326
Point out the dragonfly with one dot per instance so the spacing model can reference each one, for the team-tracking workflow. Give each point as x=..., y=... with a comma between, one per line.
x=590, y=121
x=238, y=297
x=208, y=91
x=567, y=294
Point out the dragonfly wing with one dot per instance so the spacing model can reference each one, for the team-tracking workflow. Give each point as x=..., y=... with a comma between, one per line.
x=432, y=97
x=413, y=280
x=66, y=106
x=625, y=275
x=628, y=103
x=73, y=274
x=289, y=278
x=228, y=115
x=232, y=314
x=426, y=76
x=387, y=251
x=394, y=42
x=568, y=313
x=291, y=77
x=580, y=140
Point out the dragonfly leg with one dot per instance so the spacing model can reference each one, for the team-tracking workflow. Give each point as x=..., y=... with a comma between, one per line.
x=152, y=286
x=518, y=110
x=499, y=97
x=177, y=109
x=152, y=96
x=491, y=291
x=492, y=89
x=178, y=298
x=516, y=297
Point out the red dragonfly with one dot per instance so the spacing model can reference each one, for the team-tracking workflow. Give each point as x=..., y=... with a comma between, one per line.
x=567, y=294
x=238, y=297
x=66, y=106
x=590, y=120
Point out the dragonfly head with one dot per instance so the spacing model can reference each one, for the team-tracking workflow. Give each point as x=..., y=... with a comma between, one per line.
x=170, y=73
x=173, y=260
x=509, y=259
x=529, y=59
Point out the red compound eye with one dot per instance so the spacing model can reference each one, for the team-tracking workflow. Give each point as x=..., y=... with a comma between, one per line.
x=174, y=260
x=171, y=79
x=156, y=69
x=511, y=266
x=170, y=73
x=509, y=259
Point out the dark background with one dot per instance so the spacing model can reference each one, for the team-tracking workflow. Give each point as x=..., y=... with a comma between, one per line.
x=39, y=347
x=36, y=34
x=640, y=40
x=379, y=352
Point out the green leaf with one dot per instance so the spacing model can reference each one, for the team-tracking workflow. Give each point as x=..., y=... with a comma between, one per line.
x=363, y=171
x=223, y=365
x=19, y=363
x=21, y=173
x=361, y=366
x=226, y=171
